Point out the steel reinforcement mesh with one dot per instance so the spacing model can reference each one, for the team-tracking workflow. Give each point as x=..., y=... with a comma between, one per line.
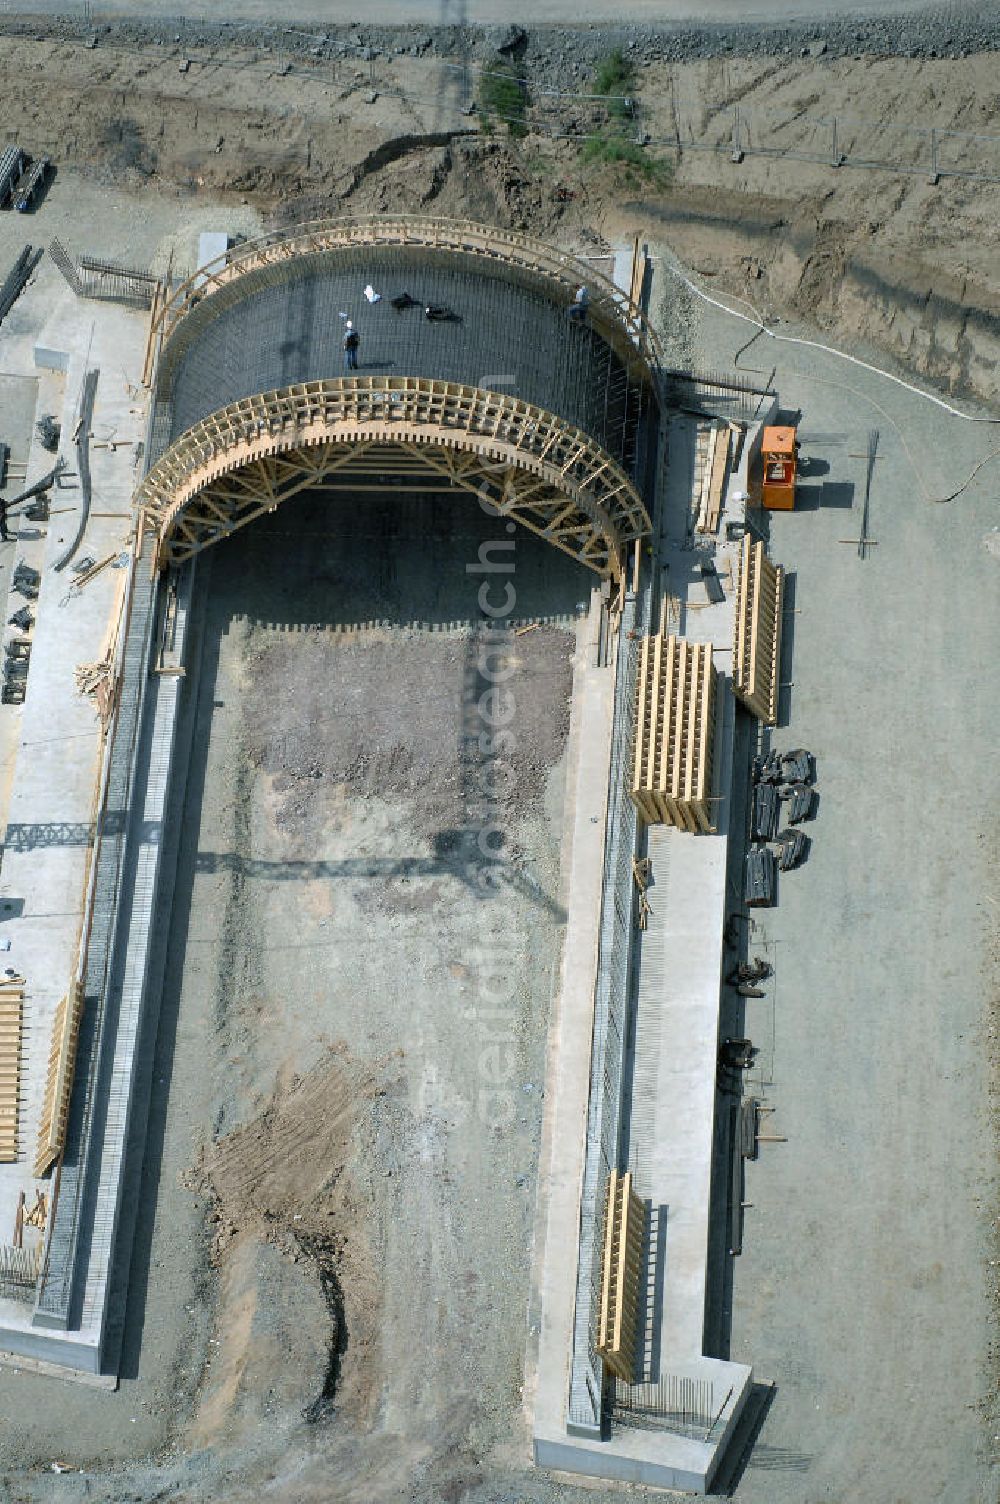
x=285, y=324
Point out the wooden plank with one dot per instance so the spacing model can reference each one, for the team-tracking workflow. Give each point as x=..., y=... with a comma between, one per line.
x=701, y=523
x=717, y=481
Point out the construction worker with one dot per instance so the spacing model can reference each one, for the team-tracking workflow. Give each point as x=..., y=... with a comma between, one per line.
x=352, y=339
x=578, y=308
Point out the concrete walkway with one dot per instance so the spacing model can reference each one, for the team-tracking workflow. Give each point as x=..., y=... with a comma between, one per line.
x=52, y=745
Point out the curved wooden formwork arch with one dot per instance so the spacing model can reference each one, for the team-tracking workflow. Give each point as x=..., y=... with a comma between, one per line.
x=616, y=314
x=352, y=433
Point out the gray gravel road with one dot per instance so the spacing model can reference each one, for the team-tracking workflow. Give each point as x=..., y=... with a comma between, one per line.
x=487, y=12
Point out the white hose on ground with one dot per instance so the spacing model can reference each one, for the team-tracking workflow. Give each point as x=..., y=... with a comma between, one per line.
x=791, y=339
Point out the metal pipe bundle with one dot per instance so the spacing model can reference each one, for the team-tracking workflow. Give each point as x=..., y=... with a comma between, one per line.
x=12, y=161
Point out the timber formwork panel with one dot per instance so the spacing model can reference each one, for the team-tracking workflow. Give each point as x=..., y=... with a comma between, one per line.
x=59, y=1080
x=675, y=733
x=247, y=458
x=621, y=1267
x=11, y=1018
x=757, y=632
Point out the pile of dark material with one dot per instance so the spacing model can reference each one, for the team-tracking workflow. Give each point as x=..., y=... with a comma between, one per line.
x=758, y=878
x=746, y=974
x=764, y=812
x=791, y=848
x=779, y=778
x=49, y=433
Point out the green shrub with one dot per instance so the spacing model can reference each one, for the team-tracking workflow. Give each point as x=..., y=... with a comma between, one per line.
x=502, y=96
x=614, y=147
x=615, y=78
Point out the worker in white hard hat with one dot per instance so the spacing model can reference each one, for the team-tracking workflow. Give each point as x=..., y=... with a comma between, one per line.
x=352, y=339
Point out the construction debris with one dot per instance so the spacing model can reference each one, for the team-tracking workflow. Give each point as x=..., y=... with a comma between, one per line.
x=756, y=970
x=49, y=432
x=736, y=1054
x=26, y=580
x=800, y=796
x=90, y=675
x=38, y=1213
x=767, y=769
x=764, y=812
x=39, y=488
x=791, y=849
x=797, y=766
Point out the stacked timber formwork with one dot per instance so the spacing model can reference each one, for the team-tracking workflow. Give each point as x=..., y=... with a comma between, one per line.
x=675, y=733
x=624, y=1232
x=59, y=1082
x=11, y=1009
x=757, y=643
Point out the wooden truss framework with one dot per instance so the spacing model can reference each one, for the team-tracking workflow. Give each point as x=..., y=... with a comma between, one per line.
x=59, y=1081
x=353, y=432
x=616, y=314
x=757, y=633
x=11, y=1010
x=675, y=733
x=621, y=1265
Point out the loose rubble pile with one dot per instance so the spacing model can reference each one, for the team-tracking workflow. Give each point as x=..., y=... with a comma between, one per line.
x=934, y=33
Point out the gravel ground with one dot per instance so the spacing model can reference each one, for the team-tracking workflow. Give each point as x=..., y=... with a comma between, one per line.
x=932, y=32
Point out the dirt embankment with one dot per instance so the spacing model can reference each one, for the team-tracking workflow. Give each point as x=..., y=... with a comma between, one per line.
x=881, y=256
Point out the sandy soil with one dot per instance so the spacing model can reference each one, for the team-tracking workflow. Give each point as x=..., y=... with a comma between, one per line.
x=877, y=255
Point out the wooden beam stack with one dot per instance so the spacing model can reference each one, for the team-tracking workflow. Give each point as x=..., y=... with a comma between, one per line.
x=713, y=477
x=11, y=1010
x=621, y=1266
x=757, y=642
x=59, y=1081
x=674, y=733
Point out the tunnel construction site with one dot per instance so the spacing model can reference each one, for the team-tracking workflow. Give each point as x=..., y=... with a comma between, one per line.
x=478, y=370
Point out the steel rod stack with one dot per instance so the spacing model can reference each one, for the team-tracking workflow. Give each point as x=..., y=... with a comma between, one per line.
x=12, y=162
x=31, y=182
x=17, y=278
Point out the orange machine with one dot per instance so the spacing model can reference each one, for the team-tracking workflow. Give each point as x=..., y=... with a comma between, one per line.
x=779, y=450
